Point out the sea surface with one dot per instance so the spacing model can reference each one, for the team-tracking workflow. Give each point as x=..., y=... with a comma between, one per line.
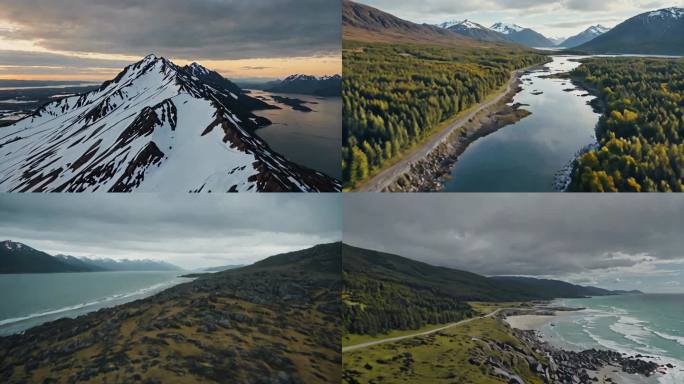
x=650, y=325
x=528, y=155
x=312, y=139
x=32, y=299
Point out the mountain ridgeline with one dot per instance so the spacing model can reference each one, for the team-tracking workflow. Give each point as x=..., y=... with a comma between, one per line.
x=325, y=86
x=20, y=258
x=475, y=31
x=584, y=36
x=156, y=127
x=657, y=32
x=654, y=32
x=520, y=35
x=383, y=292
x=276, y=321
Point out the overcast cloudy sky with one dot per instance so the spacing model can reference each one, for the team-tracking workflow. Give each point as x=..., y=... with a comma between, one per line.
x=617, y=242
x=92, y=39
x=189, y=231
x=553, y=18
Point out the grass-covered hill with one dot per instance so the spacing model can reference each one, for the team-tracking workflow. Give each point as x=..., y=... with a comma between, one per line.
x=383, y=292
x=276, y=321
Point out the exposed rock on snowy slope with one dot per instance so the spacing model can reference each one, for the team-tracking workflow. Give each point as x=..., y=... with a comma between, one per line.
x=475, y=31
x=155, y=127
x=521, y=35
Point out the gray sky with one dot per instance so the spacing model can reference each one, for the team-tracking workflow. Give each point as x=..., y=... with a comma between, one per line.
x=211, y=31
x=553, y=18
x=189, y=231
x=613, y=241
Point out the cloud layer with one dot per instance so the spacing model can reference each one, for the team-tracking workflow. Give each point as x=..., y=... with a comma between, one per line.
x=205, y=29
x=187, y=230
x=593, y=238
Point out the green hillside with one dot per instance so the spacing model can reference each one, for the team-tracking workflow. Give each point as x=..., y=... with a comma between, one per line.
x=384, y=292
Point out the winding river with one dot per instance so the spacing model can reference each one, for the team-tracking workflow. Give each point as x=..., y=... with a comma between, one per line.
x=527, y=156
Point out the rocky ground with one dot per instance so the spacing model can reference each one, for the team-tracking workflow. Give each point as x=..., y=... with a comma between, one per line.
x=580, y=367
x=561, y=366
x=488, y=350
x=428, y=174
x=274, y=322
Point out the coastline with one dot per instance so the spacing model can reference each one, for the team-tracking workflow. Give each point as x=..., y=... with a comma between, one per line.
x=596, y=366
x=197, y=331
x=428, y=173
x=41, y=311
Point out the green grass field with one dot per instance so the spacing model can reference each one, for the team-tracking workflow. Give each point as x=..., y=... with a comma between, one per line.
x=454, y=355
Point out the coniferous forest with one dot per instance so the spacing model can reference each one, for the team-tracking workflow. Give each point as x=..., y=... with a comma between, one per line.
x=373, y=306
x=641, y=133
x=395, y=95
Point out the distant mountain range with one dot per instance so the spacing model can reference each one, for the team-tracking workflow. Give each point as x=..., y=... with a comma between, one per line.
x=361, y=263
x=20, y=258
x=657, y=32
x=521, y=35
x=155, y=127
x=328, y=86
x=584, y=36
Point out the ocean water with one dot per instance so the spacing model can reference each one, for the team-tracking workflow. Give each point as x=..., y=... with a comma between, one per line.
x=649, y=324
x=32, y=299
x=312, y=139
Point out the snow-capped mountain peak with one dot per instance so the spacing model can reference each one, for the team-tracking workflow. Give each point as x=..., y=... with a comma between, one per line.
x=12, y=245
x=197, y=69
x=331, y=77
x=467, y=24
x=449, y=23
x=506, y=28
x=598, y=29
x=299, y=77
x=155, y=127
x=672, y=12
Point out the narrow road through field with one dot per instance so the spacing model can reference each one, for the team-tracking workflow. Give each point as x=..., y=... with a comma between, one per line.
x=388, y=175
x=393, y=339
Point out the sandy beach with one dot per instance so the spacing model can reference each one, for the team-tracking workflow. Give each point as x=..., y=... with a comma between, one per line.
x=608, y=374
x=534, y=322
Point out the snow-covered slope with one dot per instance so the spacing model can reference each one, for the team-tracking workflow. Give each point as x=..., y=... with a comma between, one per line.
x=463, y=24
x=584, y=36
x=155, y=127
x=474, y=31
x=522, y=35
x=505, y=28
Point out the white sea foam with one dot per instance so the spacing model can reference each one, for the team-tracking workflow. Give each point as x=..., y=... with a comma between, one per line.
x=666, y=336
x=634, y=330
x=105, y=300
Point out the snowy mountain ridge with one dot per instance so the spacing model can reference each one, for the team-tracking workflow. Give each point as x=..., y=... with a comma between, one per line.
x=155, y=127
x=506, y=28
